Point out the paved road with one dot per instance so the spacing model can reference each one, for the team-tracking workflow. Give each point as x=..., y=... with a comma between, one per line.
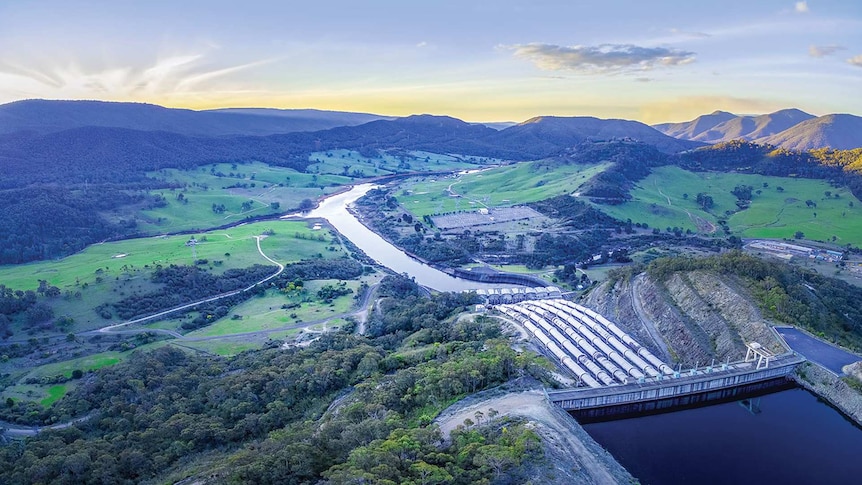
x=651, y=329
x=827, y=355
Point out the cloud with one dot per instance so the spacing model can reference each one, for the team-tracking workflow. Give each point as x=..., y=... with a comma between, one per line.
x=422, y=44
x=801, y=7
x=601, y=59
x=824, y=50
x=165, y=76
x=855, y=60
x=688, y=33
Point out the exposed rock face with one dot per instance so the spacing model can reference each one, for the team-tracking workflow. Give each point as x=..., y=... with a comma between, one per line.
x=699, y=315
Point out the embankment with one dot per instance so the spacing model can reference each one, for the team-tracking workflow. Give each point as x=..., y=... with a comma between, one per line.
x=831, y=388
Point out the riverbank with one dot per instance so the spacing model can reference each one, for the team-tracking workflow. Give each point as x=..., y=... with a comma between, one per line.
x=830, y=388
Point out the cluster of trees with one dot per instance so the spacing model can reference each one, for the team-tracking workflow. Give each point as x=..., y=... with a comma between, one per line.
x=264, y=413
x=574, y=213
x=184, y=284
x=44, y=222
x=320, y=269
x=630, y=162
x=565, y=248
x=784, y=292
x=14, y=303
x=840, y=166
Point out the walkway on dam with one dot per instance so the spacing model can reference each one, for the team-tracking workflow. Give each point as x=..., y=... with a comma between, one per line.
x=704, y=380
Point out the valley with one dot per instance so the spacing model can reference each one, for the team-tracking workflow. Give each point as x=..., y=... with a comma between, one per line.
x=205, y=279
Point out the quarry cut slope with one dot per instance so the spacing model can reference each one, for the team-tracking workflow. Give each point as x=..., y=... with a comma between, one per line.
x=690, y=319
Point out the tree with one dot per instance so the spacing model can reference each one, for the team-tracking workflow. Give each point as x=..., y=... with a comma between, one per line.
x=798, y=235
x=306, y=205
x=274, y=205
x=742, y=192
x=705, y=201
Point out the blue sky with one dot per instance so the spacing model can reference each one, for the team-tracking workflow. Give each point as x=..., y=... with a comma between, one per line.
x=477, y=60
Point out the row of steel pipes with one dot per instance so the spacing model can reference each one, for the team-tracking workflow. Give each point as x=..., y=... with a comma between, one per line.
x=586, y=343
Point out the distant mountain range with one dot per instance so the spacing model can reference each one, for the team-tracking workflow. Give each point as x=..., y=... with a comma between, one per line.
x=44, y=116
x=556, y=133
x=788, y=128
x=75, y=141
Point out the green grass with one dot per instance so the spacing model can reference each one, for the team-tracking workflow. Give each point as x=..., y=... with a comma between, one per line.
x=85, y=364
x=44, y=395
x=225, y=348
x=54, y=394
x=659, y=200
x=208, y=185
x=502, y=186
x=333, y=162
x=264, y=313
x=70, y=272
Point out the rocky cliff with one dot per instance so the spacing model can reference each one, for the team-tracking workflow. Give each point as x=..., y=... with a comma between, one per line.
x=691, y=318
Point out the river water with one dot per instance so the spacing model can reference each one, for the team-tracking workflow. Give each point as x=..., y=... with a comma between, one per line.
x=334, y=210
x=794, y=438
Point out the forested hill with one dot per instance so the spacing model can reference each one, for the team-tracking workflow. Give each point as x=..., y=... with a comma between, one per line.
x=119, y=155
x=547, y=134
x=46, y=116
x=346, y=407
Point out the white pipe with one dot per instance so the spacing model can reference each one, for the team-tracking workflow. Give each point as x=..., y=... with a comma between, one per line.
x=654, y=362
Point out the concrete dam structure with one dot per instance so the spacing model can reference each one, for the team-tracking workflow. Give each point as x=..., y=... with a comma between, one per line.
x=616, y=370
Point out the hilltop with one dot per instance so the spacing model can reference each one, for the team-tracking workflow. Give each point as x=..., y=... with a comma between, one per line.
x=792, y=129
x=48, y=116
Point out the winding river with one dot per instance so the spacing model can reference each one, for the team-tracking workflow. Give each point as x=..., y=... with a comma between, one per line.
x=335, y=210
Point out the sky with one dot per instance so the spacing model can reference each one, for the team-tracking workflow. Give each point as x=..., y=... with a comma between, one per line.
x=478, y=60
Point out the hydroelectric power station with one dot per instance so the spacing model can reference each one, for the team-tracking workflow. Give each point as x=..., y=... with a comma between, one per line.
x=621, y=376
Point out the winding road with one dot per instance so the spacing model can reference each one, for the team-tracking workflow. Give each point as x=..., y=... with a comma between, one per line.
x=637, y=306
x=112, y=328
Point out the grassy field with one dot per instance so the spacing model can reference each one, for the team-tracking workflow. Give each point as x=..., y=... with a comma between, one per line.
x=230, y=185
x=498, y=187
x=339, y=162
x=130, y=257
x=85, y=364
x=264, y=313
x=660, y=201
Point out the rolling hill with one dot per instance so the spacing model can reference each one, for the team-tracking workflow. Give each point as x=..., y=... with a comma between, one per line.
x=48, y=116
x=546, y=135
x=837, y=131
x=788, y=128
x=754, y=127
x=689, y=130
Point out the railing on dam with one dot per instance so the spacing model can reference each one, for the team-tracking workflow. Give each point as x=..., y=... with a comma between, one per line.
x=653, y=390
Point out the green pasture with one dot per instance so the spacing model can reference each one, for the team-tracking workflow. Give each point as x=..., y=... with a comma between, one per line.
x=85, y=364
x=337, y=162
x=496, y=187
x=44, y=395
x=660, y=201
x=264, y=313
x=291, y=241
x=259, y=183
